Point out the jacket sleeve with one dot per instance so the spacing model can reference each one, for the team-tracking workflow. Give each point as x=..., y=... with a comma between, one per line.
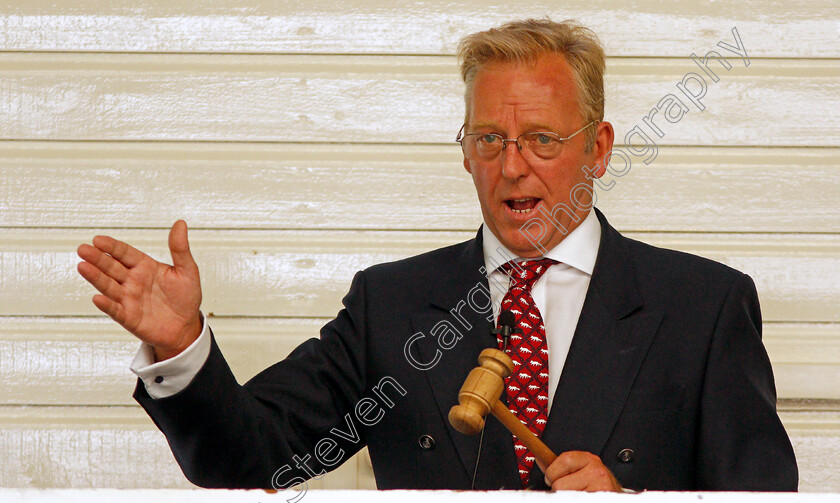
x=264, y=434
x=742, y=444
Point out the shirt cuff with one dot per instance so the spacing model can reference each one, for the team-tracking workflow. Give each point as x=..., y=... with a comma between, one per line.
x=166, y=378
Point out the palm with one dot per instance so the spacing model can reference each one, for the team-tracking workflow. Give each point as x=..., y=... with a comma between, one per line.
x=156, y=302
x=160, y=302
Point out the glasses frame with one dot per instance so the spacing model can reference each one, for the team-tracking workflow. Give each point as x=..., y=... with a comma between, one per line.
x=461, y=137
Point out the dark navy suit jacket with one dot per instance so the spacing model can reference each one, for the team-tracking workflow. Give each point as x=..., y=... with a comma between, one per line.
x=666, y=361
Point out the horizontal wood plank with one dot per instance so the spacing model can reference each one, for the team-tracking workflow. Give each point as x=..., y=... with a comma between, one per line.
x=815, y=436
x=632, y=28
x=292, y=273
x=118, y=447
x=341, y=99
x=41, y=358
x=114, y=447
x=805, y=358
x=306, y=273
x=293, y=186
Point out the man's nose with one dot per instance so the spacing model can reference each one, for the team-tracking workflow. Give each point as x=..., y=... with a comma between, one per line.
x=514, y=164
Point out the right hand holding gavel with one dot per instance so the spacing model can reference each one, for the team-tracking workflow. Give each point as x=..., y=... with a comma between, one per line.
x=158, y=303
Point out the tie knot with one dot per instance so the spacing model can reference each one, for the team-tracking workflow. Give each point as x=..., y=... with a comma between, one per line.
x=524, y=274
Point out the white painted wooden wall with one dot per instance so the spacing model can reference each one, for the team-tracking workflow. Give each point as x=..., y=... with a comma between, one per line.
x=303, y=141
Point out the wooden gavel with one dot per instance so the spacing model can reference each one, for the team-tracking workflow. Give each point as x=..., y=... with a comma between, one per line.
x=480, y=394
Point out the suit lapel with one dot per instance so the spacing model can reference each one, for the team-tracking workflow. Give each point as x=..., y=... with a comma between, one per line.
x=498, y=464
x=612, y=338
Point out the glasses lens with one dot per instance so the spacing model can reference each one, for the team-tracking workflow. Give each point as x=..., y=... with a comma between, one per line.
x=542, y=145
x=483, y=147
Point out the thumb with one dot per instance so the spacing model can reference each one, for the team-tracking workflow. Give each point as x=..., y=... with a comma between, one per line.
x=179, y=248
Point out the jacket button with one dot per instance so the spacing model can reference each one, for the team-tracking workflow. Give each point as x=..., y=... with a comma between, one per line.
x=626, y=455
x=427, y=443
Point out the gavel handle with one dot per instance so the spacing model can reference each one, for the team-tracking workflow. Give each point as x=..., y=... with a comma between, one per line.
x=515, y=426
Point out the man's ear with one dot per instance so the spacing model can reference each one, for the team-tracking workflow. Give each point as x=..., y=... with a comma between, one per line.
x=467, y=166
x=603, y=146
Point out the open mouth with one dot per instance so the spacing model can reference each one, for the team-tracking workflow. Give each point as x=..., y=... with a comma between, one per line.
x=525, y=205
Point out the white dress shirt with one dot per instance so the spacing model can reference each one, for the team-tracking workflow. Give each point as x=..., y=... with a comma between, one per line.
x=559, y=295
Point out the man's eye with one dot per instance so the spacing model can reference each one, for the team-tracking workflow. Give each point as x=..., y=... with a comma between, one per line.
x=488, y=138
x=544, y=139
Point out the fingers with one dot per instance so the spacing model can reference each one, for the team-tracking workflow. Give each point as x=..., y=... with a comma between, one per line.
x=588, y=479
x=109, y=307
x=101, y=281
x=580, y=471
x=566, y=463
x=179, y=248
x=103, y=262
x=126, y=254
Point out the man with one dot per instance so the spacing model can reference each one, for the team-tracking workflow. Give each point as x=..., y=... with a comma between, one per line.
x=643, y=368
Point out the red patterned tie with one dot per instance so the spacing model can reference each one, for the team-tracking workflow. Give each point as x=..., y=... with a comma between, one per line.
x=527, y=387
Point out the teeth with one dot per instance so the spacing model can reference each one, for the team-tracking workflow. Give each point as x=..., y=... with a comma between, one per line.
x=524, y=199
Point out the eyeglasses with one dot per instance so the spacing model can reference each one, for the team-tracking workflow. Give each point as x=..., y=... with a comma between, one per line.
x=539, y=145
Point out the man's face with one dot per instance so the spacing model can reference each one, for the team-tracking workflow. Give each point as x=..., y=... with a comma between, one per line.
x=514, y=98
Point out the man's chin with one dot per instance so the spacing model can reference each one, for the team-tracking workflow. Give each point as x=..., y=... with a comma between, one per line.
x=521, y=243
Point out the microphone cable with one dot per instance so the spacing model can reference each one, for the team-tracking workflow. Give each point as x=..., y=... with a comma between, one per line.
x=507, y=324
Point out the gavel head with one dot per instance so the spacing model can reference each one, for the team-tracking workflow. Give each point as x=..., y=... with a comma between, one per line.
x=480, y=391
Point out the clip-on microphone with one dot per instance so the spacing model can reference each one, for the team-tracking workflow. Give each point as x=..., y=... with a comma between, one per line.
x=507, y=326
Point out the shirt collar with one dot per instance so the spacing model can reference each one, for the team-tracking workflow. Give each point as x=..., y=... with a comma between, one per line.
x=579, y=249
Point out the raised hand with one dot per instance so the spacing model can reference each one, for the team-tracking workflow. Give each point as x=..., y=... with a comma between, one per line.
x=156, y=302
